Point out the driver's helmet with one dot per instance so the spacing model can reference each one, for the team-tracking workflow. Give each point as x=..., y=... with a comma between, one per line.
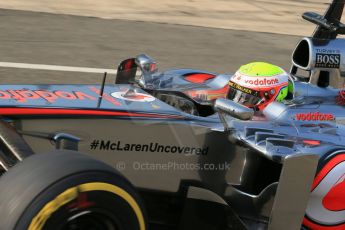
x=257, y=84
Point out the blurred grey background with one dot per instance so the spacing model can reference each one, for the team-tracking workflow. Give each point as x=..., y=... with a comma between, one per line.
x=214, y=35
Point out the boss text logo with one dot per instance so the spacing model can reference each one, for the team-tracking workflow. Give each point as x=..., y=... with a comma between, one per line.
x=327, y=60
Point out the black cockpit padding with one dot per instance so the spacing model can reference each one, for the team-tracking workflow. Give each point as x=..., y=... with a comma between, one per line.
x=323, y=79
x=12, y=143
x=301, y=54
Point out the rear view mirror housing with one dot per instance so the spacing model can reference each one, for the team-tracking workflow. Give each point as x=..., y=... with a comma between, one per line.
x=233, y=109
x=128, y=70
x=146, y=64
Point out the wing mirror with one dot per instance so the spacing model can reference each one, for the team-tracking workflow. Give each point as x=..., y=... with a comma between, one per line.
x=127, y=70
x=228, y=107
x=147, y=66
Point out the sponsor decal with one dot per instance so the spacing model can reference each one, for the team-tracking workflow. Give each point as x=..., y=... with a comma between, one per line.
x=325, y=51
x=133, y=96
x=325, y=60
x=316, y=116
x=150, y=147
x=243, y=89
x=263, y=81
x=23, y=95
x=106, y=96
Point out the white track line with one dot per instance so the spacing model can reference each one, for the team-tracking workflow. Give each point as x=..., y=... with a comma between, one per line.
x=56, y=67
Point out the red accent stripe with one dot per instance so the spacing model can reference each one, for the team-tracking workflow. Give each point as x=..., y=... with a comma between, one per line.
x=327, y=168
x=56, y=111
x=311, y=142
x=199, y=78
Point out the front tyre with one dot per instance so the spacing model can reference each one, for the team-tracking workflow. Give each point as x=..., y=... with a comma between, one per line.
x=66, y=190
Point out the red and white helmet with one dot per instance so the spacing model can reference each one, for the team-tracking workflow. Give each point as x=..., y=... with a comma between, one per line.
x=257, y=84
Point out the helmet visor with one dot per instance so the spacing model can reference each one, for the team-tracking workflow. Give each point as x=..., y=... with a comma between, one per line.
x=243, y=95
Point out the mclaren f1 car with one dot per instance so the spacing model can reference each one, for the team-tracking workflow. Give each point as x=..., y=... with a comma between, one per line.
x=167, y=150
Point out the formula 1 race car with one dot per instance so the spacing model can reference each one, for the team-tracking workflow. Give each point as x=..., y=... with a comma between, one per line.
x=168, y=151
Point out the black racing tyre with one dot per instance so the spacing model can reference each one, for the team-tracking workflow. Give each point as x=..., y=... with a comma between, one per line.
x=66, y=190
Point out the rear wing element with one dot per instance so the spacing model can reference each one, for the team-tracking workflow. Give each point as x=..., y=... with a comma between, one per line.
x=329, y=25
x=321, y=57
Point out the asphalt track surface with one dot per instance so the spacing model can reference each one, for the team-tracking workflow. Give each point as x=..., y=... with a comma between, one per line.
x=43, y=38
x=272, y=16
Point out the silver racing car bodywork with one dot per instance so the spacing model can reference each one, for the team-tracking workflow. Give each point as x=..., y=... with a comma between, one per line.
x=174, y=133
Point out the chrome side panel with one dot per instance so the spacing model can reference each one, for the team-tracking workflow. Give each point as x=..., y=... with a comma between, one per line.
x=155, y=170
x=293, y=191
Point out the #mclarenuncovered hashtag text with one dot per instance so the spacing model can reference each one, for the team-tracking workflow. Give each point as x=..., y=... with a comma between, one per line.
x=151, y=147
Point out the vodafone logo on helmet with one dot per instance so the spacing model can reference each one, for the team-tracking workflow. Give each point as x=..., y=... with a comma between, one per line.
x=262, y=81
x=259, y=81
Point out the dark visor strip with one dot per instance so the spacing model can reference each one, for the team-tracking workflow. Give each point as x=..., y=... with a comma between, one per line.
x=244, y=89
